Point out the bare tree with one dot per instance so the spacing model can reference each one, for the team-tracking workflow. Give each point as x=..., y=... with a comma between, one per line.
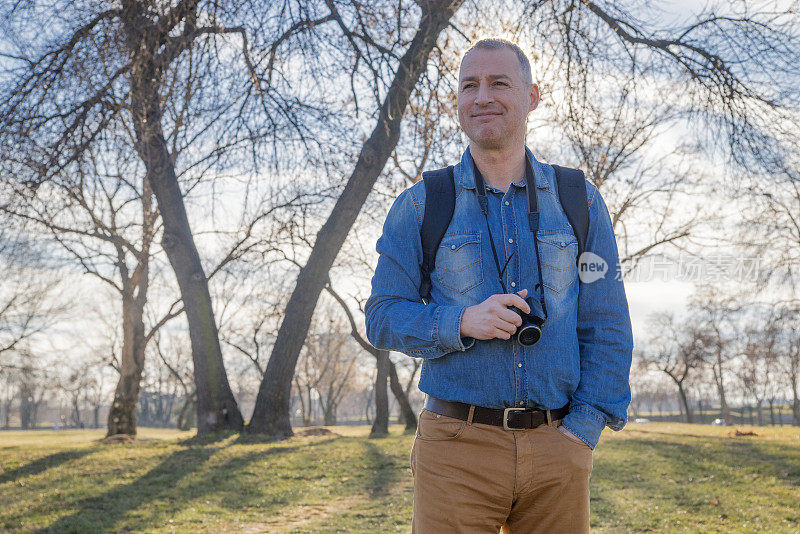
x=716, y=311
x=787, y=355
x=31, y=383
x=757, y=366
x=157, y=75
x=28, y=300
x=328, y=365
x=8, y=394
x=174, y=378
x=386, y=370
x=271, y=413
x=103, y=220
x=74, y=385
x=676, y=349
x=615, y=133
x=97, y=395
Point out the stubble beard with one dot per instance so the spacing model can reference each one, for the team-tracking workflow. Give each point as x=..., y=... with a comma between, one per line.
x=499, y=141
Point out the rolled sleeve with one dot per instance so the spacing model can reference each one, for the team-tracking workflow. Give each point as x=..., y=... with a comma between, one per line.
x=448, y=329
x=585, y=422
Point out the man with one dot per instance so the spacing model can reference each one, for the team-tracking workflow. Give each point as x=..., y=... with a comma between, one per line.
x=476, y=463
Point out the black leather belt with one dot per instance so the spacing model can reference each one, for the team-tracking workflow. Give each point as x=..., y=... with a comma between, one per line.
x=508, y=418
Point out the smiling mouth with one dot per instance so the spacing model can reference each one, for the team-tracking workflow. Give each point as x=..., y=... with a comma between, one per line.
x=484, y=115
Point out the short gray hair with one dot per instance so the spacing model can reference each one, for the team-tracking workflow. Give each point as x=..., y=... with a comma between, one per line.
x=496, y=44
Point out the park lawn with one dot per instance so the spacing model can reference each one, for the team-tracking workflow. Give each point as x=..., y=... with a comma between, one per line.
x=657, y=477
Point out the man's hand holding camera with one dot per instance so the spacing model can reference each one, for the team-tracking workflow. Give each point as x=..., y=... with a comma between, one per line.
x=492, y=318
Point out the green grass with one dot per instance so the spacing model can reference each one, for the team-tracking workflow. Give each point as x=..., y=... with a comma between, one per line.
x=658, y=477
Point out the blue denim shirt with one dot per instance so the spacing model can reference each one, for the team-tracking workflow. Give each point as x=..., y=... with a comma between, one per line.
x=584, y=356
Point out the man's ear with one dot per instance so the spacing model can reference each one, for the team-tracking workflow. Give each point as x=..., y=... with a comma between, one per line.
x=534, y=94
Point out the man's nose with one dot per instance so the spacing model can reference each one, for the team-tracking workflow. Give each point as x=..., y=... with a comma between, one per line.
x=484, y=95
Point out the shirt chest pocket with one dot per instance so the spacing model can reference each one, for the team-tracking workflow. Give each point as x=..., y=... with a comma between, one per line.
x=559, y=254
x=458, y=261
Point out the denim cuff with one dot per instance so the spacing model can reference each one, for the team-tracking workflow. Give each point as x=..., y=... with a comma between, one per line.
x=447, y=329
x=583, y=423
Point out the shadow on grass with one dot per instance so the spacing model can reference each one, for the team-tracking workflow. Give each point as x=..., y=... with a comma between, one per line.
x=306, y=432
x=675, y=434
x=379, y=471
x=101, y=512
x=207, y=439
x=765, y=458
x=676, y=484
x=163, y=491
x=782, y=462
x=245, y=438
x=42, y=464
x=383, y=470
x=686, y=474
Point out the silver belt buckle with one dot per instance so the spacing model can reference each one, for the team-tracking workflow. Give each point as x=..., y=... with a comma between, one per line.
x=505, y=417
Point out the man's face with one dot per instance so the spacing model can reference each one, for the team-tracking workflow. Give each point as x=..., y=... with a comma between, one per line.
x=493, y=98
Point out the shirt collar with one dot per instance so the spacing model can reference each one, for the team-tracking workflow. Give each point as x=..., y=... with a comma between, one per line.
x=468, y=177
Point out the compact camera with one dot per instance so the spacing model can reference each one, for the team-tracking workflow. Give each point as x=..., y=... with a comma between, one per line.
x=531, y=330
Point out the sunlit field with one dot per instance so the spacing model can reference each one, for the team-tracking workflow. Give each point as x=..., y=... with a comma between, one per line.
x=658, y=477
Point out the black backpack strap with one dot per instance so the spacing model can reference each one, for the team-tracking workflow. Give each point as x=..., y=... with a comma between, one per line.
x=440, y=202
x=572, y=195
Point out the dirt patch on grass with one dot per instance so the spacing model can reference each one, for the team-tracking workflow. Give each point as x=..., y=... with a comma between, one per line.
x=315, y=431
x=310, y=514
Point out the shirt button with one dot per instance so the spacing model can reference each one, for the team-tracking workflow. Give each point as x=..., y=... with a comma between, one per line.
x=506, y=202
x=513, y=284
x=510, y=240
x=521, y=403
x=563, y=244
x=453, y=247
x=519, y=365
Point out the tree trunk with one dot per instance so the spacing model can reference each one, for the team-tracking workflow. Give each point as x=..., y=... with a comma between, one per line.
x=330, y=414
x=184, y=417
x=24, y=414
x=793, y=376
x=380, y=427
x=303, y=414
x=216, y=406
x=685, y=403
x=407, y=414
x=28, y=408
x=725, y=412
x=7, y=414
x=309, y=414
x=367, y=406
x=796, y=412
x=406, y=411
x=271, y=414
x=759, y=412
x=771, y=412
x=76, y=411
x=122, y=415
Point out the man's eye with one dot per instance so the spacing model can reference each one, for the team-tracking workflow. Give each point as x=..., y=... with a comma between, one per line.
x=468, y=86
x=501, y=83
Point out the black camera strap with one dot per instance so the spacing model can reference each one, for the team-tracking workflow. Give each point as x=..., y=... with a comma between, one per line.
x=533, y=222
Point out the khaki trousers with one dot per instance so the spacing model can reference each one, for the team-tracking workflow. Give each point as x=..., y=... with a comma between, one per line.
x=472, y=478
